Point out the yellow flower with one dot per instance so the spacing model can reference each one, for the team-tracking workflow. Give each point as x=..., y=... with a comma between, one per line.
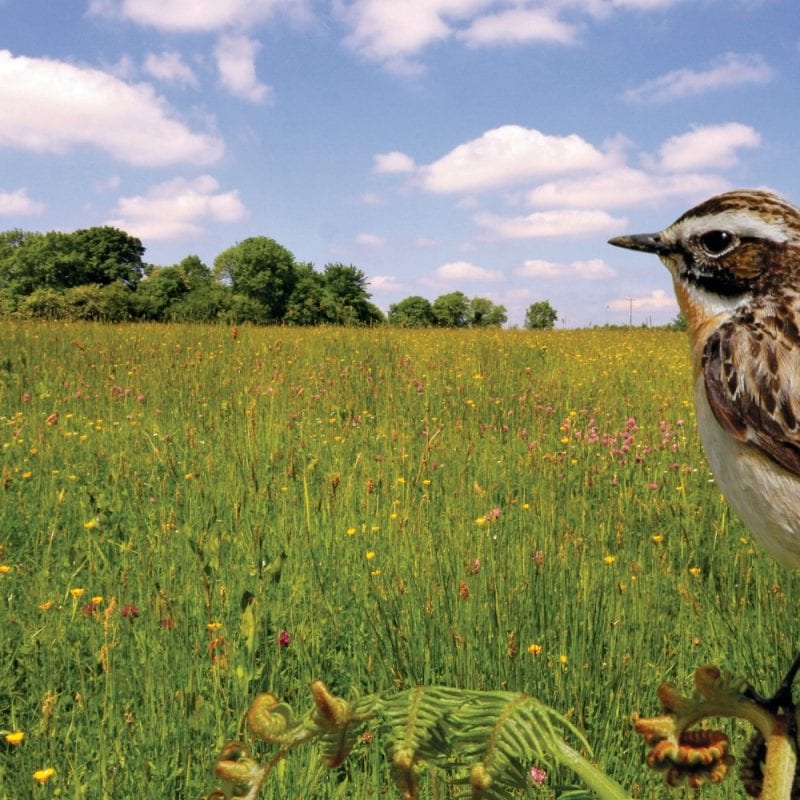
x=369, y=555
x=91, y=523
x=27, y=474
x=213, y=626
x=76, y=593
x=14, y=737
x=535, y=649
x=563, y=659
x=46, y=606
x=695, y=571
x=4, y=569
x=97, y=600
x=480, y=521
x=351, y=531
x=565, y=440
x=609, y=559
x=43, y=775
x=656, y=538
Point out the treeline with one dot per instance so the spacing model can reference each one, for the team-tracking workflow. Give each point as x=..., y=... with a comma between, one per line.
x=100, y=274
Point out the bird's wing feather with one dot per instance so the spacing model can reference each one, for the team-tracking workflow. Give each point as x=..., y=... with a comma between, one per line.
x=752, y=379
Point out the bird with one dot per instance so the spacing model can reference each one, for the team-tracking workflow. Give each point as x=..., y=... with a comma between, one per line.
x=735, y=266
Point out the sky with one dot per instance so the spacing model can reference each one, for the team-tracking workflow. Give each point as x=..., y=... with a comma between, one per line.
x=485, y=146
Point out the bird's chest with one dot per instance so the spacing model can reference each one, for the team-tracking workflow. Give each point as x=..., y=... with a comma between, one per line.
x=765, y=495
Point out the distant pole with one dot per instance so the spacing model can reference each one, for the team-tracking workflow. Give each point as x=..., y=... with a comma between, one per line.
x=630, y=311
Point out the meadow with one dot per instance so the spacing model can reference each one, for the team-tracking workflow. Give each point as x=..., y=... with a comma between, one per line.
x=192, y=515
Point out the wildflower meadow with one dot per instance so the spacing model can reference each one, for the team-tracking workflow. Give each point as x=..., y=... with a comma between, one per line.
x=192, y=515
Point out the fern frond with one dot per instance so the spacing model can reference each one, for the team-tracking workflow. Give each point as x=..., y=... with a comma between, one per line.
x=414, y=724
x=502, y=734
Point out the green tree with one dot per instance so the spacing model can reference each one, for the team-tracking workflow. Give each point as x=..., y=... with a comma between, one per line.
x=56, y=260
x=540, y=316
x=90, y=301
x=485, y=314
x=164, y=286
x=451, y=310
x=345, y=288
x=262, y=269
x=412, y=312
x=206, y=303
x=307, y=302
x=107, y=255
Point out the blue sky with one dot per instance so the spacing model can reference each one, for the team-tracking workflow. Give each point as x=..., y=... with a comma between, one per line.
x=489, y=146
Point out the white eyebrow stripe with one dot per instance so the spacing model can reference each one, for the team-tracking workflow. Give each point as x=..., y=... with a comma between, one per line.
x=743, y=223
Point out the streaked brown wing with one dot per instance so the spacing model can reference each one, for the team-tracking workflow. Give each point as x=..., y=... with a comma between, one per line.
x=752, y=377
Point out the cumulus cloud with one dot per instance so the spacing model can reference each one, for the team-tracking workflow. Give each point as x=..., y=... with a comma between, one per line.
x=386, y=284
x=518, y=26
x=235, y=57
x=197, y=15
x=624, y=187
x=456, y=271
x=594, y=269
x=712, y=146
x=508, y=155
x=18, y=204
x=394, y=162
x=656, y=300
x=177, y=209
x=170, y=68
x=51, y=106
x=545, y=224
x=730, y=71
x=392, y=32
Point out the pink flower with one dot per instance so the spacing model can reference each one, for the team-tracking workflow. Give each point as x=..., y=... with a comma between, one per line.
x=538, y=776
x=129, y=611
x=284, y=639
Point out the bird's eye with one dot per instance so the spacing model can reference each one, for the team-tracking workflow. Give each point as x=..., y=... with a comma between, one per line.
x=715, y=243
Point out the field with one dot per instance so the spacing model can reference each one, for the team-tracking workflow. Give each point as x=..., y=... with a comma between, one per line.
x=191, y=515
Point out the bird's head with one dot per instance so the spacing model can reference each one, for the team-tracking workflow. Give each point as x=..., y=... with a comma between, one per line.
x=728, y=250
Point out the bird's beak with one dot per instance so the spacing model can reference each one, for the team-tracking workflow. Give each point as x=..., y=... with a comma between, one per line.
x=646, y=242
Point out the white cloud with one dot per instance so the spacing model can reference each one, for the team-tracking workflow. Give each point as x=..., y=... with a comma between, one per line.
x=712, y=146
x=393, y=32
x=657, y=299
x=370, y=240
x=508, y=155
x=177, y=209
x=559, y=222
x=517, y=26
x=385, y=284
x=456, y=271
x=170, y=68
x=624, y=187
x=17, y=203
x=197, y=15
x=394, y=162
x=235, y=56
x=732, y=70
x=51, y=106
x=592, y=270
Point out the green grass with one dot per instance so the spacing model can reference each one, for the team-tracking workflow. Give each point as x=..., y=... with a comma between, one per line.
x=183, y=460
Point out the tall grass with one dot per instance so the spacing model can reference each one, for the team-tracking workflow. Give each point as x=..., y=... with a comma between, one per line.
x=506, y=509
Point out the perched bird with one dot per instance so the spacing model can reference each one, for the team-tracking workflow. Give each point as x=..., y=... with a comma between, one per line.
x=735, y=265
